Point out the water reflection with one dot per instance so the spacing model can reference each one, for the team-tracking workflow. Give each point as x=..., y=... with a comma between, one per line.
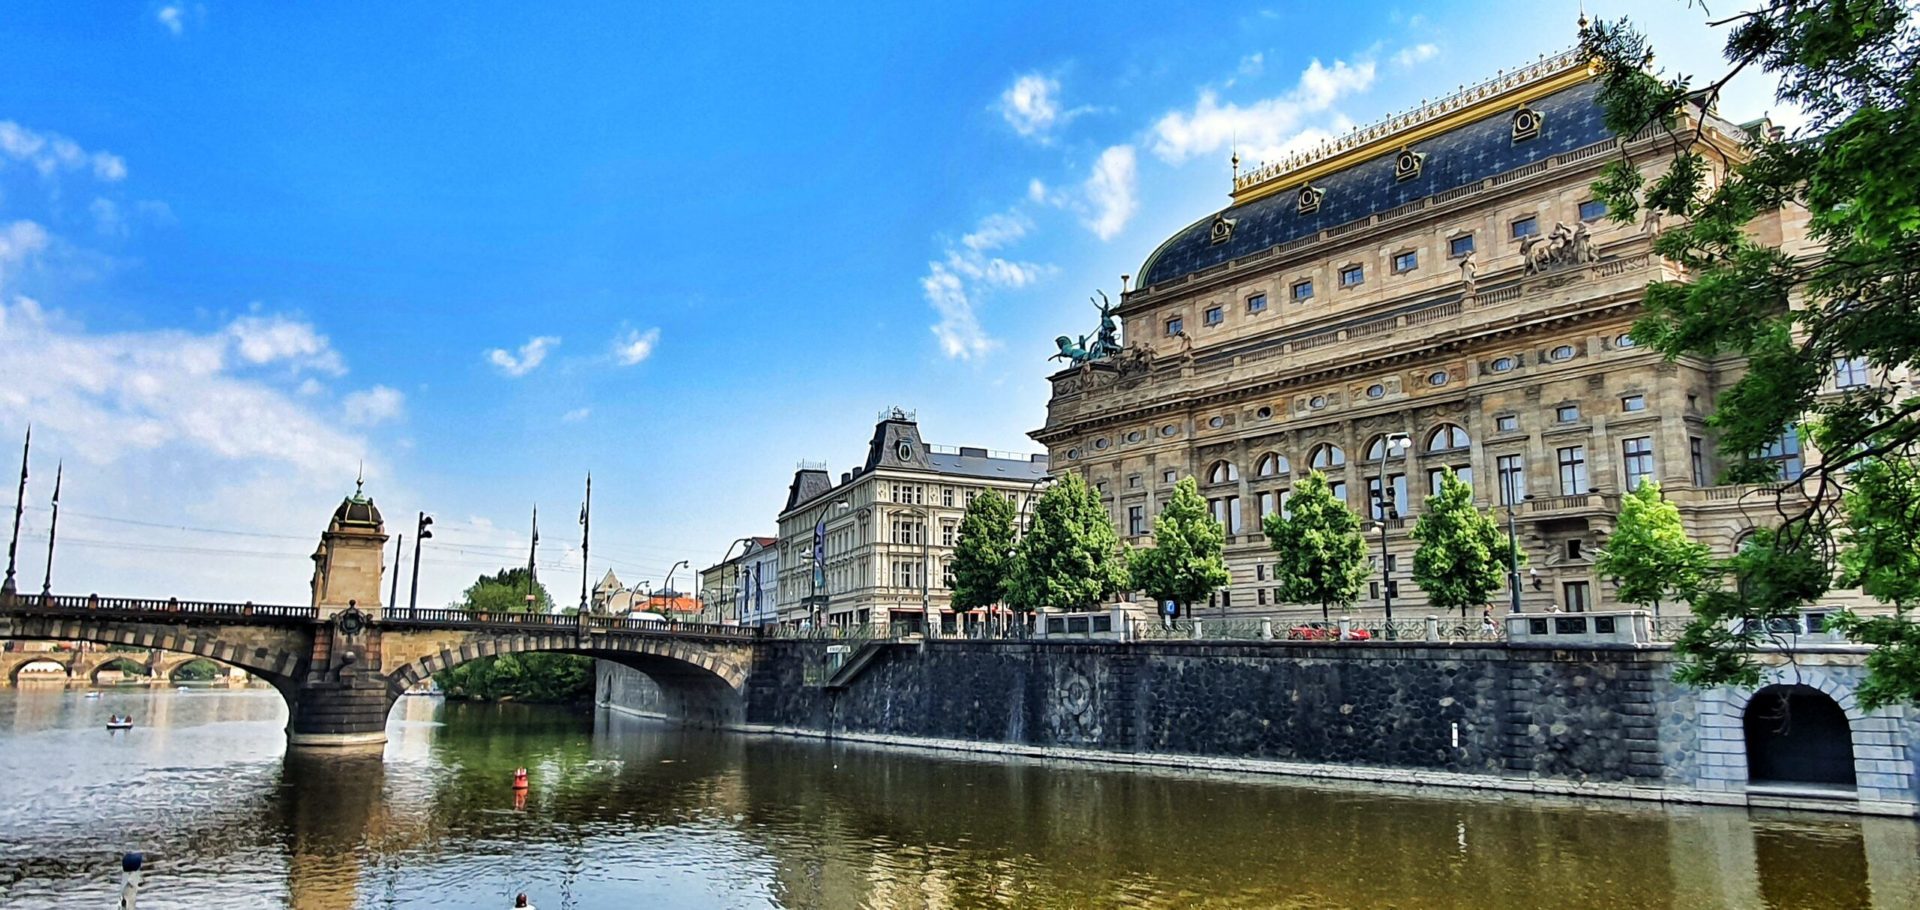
x=623, y=812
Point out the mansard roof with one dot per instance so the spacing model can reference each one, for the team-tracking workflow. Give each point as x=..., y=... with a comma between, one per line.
x=1267, y=213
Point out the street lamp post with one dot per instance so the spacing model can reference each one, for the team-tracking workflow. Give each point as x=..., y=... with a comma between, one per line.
x=1392, y=444
x=1021, y=530
x=818, y=561
x=1513, y=543
x=735, y=595
x=666, y=586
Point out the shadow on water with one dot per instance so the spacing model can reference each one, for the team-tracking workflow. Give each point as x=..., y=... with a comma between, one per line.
x=627, y=812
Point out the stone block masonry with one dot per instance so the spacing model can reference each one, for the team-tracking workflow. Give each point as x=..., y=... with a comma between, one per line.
x=1606, y=721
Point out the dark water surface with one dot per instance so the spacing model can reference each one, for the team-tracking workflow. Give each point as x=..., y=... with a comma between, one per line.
x=627, y=813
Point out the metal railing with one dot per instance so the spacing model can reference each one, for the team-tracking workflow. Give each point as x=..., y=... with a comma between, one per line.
x=171, y=608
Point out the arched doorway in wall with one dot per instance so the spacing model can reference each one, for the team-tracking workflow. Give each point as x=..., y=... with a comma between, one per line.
x=1798, y=735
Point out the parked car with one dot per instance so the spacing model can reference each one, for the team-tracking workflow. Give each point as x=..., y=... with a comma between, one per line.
x=1323, y=631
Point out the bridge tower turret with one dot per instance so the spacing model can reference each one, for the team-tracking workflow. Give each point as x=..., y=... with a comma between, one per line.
x=347, y=565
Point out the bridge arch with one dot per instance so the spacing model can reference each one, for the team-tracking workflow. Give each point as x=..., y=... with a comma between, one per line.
x=702, y=681
x=33, y=668
x=276, y=655
x=123, y=663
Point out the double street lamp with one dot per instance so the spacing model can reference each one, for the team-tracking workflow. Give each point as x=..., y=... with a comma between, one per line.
x=817, y=568
x=1393, y=444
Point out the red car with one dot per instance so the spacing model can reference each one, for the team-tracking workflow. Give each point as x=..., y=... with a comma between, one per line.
x=1324, y=632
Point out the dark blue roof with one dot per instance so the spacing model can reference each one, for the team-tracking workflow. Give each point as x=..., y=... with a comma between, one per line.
x=1464, y=155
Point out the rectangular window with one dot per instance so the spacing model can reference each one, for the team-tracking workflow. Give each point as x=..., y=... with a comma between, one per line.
x=1175, y=325
x=1506, y=423
x=1398, y=484
x=1512, y=471
x=1850, y=372
x=1463, y=472
x=1593, y=210
x=1573, y=470
x=1263, y=596
x=1637, y=455
x=1100, y=486
x=1226, y=599
x=1302, y=290
x=1576, y=597
x=1393, y=563
x=1373, y=590
x=1406, y=262
x=1352, y=275
x=1785, y=454
x=1575, y=548
x=1525, y=227
x=1697, y=448
x=1460, y=246
x=1632, y=403
x=1169, y=476
x=1567, y=413
x=947, y=531
x=1215, y=315
x=1136, y=520
x=1339, y=490
x=946, y=497
x=1260, y=571
x=1133, y=481
x=1257, y=303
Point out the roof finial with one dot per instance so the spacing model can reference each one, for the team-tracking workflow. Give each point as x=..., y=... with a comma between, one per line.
x=360, y=479
x=1583, y=18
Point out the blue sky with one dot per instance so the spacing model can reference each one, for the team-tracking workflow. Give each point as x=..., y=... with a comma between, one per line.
x=484, y=249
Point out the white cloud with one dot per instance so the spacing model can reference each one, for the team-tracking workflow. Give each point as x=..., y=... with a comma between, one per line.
x=1263, y=129
x=995, y=231
x=263, y=340
x=370, y=407
x=1031, y=105
x=576, y=415
x=172, y=18
x=19, y=242
x=51, y=153
x=958, y=329
x=1252, y=64
x=1417, y=54
x=1111, y=192
x=956, y=284
x=635, y=346
x=528, y=358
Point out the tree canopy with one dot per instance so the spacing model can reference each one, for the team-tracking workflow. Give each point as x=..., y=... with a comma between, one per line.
x=1187, y=561
x=1320, y=555
x=983, y=552
x=504, y=591
x=1463, y=554
x=532, y=676
x=1070, y=557
x=1649, y=553
x=1825, y=328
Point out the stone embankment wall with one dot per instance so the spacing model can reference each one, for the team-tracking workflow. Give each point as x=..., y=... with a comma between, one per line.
x=1607, y=721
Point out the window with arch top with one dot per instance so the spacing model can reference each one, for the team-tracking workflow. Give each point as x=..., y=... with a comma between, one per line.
x=1446, y=437
x=1327, y=455
x=1377, y=447
x=1223, y=472
x=1271, y=464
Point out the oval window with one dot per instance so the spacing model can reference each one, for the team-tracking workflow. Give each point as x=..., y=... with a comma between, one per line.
x=1263, y=413
x=1136, y=436
x=1169, y=430
x=1073, y=453
x=1437, y=377
x=1376, y=391
x=1216, y=421
x=1100, y=443
x=1317, y=402
x=1563, y=352
x=1501, y=364
x=1625, y=341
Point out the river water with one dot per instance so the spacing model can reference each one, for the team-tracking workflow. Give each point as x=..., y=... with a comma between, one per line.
x=625, y=812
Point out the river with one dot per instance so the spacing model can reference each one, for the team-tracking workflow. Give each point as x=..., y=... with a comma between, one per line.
x=626, y=812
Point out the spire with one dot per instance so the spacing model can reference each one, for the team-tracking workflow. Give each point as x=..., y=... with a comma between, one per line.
x=360, y=479
x=7, y=587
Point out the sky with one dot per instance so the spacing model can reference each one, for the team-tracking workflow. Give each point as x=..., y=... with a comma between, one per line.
x=249, y=252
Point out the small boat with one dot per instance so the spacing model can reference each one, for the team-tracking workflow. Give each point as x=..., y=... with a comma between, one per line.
x=118, y=722
x=93, y=695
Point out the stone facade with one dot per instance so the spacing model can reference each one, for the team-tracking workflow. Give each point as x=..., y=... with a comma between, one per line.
x=889, y=527
x=1479, y=305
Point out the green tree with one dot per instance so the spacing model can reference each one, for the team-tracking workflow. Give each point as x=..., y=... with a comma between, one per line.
x=1187, y=561
x=504, y=591
x=532, y=676
x=1070, y=557
x=983, y=553
x=1649, y=553
x=1463, y=555
x=1321, y=556
x=1881, y=556
x=1852, y=298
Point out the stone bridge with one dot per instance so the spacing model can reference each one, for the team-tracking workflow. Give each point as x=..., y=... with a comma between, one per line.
x=341, y=673
x=84, y=667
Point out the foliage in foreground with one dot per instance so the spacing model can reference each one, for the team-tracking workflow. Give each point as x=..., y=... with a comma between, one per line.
x=521, y=677
x=1070, y=558
x=1320, y=555
x=1187, y=561
x=1464, y=556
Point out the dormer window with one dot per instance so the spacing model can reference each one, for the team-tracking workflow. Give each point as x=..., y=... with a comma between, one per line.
x=1352, y=276
x=1527, y=123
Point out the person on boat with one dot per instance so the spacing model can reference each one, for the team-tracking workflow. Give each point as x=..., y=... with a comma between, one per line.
x=520, y=900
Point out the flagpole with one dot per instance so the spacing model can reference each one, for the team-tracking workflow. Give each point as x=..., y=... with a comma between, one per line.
x=531, y=553
x=586, y=534
x=7, y=587
x=53, y=528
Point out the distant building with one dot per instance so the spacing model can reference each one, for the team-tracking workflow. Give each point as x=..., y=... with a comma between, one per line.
x=885, y=531
x=741, y=589
x=612, y=597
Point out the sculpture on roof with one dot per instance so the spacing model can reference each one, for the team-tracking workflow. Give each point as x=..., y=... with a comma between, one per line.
x=1561, y=246
x=1102, y=344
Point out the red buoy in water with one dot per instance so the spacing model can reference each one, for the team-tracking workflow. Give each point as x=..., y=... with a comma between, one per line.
x=520, y=779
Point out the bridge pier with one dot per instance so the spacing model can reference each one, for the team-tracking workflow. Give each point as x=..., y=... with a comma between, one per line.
x=341, y=714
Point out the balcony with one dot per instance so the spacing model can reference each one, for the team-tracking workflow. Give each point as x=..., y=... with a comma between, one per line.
x=1579, y=505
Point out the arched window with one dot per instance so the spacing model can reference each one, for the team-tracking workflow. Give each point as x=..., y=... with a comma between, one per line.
x=1447, y=437
x=1377, y=446
x=1223, y=472
x=1271, y=464
x=1327, y=455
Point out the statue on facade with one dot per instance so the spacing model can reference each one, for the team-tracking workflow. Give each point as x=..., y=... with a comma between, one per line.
x=1562, y=246
x=1467, y=271
x=1104, y=343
